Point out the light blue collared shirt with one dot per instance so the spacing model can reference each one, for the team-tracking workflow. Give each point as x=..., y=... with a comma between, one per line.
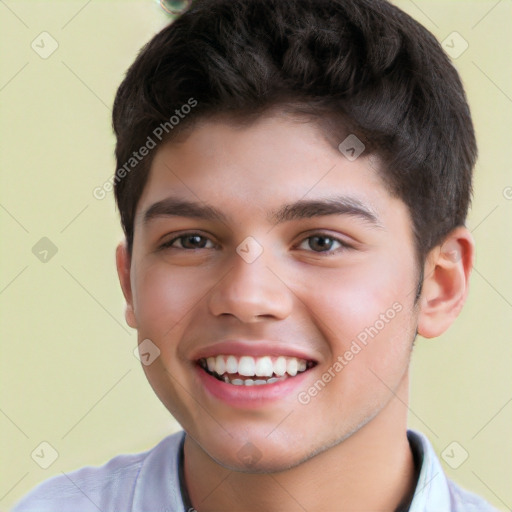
x=150, y=482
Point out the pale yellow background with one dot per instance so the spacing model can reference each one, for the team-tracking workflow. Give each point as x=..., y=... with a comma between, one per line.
x=68, y=373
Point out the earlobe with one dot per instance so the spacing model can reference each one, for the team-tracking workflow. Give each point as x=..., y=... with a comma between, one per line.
x=123, y=263
x=446, y=283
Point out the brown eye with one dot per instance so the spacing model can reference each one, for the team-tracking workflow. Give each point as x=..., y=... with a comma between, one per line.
x=320, y=243
x=189, y=241
x=323, y=244
x=193, y=242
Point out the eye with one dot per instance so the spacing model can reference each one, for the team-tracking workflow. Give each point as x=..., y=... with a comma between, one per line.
x=323, y=244
x=189, y=241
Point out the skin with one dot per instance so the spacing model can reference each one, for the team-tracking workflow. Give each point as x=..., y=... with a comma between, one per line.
x=351, y=437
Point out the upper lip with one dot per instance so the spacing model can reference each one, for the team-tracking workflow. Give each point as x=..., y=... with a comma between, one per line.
x=255, y=348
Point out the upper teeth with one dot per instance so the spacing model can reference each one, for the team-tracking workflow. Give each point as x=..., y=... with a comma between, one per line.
x=249, y=366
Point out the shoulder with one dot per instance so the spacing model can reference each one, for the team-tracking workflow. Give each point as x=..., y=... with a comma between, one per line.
x=85, y=489
x=110, y=487
x=434, y=490
x=465, y=501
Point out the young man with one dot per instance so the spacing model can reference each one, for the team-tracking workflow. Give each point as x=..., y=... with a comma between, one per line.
x=293, y=181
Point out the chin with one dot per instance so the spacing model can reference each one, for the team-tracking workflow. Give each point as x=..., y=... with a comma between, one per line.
x=260, y=455
x=261, y=464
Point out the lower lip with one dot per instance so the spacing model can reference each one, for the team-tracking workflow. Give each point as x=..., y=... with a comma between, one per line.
x=251, y=397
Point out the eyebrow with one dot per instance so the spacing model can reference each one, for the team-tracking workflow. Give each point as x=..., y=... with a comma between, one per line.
x=302, y=209
x=174, y=207
x=339, y=205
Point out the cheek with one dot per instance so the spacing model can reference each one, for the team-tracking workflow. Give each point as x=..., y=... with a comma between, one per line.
x=367, y=310
x=356, y=296
x=164, y=296
x=368, y=324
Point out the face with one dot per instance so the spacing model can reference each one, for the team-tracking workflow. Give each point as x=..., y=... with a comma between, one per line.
x=277, y=279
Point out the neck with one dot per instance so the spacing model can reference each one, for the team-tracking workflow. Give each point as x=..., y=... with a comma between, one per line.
x=373, y=469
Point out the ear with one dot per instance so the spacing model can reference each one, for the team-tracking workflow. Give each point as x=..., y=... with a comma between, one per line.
x=123, y=263
x=446, y=284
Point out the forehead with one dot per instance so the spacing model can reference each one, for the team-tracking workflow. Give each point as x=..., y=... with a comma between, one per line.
x=256, y=168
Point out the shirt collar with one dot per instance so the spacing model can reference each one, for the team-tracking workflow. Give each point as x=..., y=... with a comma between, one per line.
x=432, y=493
x=159, y=477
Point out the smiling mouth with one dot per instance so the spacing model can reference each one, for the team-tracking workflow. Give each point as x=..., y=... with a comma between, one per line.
x=254, y=371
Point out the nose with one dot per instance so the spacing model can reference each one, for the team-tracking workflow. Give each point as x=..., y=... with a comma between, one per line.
x=251, y=292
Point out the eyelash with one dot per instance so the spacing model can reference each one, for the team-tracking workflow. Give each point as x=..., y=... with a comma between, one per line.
x=343, y=245
x=168, y=245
